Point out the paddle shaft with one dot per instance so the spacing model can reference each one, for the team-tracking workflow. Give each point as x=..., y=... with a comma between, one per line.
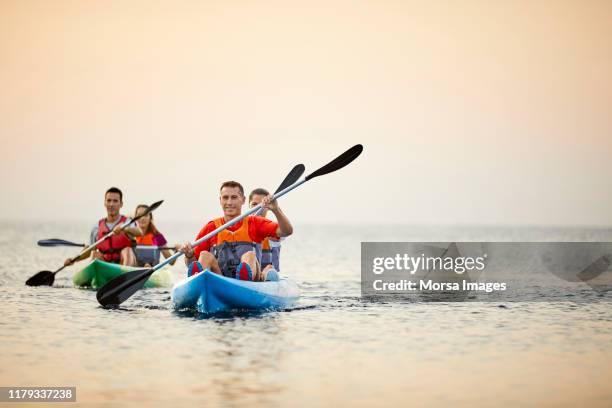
x=95, y=244
x=226, y=225
x=291, y=178
x=62, y=242
x=61, y=267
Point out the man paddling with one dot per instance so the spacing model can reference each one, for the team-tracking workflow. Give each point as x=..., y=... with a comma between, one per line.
x=233, y=252
x=118, y=247
x=270, y=248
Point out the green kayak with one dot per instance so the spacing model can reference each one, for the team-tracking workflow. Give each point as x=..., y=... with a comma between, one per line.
x=97, y=273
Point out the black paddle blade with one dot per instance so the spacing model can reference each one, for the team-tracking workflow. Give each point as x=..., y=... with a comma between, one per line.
x=58, y=242
x=122, y=287
x=338, y=163
x=292, y=177
x=154, y=206
x=151, y=208
x=41, y=278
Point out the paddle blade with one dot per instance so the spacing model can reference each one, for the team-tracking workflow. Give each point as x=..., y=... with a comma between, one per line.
x=149, y=210
x=292, y=177
x=41, y=278
x=122, y=287
x=58, y=242
x=338, y=163
x=154, y=206
x=601, y=265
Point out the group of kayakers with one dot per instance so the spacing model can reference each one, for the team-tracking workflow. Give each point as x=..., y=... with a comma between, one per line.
x=247, y=250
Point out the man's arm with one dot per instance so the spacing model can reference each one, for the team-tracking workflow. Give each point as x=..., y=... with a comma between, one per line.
x=190, y=252
x=131, y=231
x=284, y=225
x=93, y=234
x=69, y=261
x=92, y=239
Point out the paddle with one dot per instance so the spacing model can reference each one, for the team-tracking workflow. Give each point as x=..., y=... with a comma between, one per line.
x=291, y=178
x=47, y=277
x=122, y=287
x=52, y=242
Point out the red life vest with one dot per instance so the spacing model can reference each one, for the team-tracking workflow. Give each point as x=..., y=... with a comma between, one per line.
x=111, y=247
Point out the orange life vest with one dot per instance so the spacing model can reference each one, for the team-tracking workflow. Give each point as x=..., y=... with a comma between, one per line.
x=147, y=252
x=231, y=245
x=146, y=239
x=270, y=254
x=266, y=253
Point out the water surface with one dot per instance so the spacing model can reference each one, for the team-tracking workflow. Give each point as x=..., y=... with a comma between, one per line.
x=333, y=349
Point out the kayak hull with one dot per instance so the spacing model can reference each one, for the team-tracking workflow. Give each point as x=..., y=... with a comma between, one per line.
x=208, y=292
x=97, y=273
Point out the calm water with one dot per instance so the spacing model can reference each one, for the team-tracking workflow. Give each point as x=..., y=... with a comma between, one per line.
x=332, y=350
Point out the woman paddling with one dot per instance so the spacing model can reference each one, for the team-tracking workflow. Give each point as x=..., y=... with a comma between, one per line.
x=149, y=244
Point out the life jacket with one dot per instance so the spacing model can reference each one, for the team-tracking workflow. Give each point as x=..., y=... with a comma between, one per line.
x=112, y=246
x=146, y=239
x=275, y=247
x=266, y=253
x=231, y=245
x=270, y=253
x=146, y=251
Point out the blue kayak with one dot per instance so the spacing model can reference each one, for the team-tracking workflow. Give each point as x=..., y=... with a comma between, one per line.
x=208, y=292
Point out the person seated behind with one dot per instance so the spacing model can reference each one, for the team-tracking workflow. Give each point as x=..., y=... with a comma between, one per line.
x=270, y=248
x=149, y=243
x=232, y=252
x=118, y=247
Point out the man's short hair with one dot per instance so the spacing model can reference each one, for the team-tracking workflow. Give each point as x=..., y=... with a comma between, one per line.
x=114, y=190
x=258, y=191
x=233, y=184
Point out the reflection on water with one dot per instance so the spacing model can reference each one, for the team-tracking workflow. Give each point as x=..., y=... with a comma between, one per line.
x=247, y=359
x=334, y=349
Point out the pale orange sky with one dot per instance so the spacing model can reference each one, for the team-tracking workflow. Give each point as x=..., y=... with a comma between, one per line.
x=471, y=112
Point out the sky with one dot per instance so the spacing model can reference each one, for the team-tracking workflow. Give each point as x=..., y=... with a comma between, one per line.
x=470, y=112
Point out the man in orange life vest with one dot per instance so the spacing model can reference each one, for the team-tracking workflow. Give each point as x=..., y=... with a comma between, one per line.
x=118, y=247
x=233, y=252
